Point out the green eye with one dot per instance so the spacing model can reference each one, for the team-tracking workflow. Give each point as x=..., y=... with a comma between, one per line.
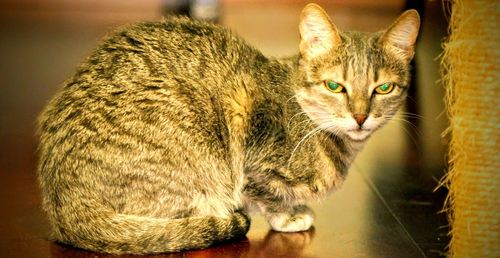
x=385, y=88
x=334, y=87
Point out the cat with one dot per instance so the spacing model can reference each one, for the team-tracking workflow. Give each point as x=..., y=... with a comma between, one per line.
x=171, y=132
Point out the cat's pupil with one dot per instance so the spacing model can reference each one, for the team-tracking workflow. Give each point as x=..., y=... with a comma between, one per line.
x=384, y=86
x=333, y=85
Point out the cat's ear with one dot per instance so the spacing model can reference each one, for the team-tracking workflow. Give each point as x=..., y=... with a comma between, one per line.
x=400, y=37
x=318, y=35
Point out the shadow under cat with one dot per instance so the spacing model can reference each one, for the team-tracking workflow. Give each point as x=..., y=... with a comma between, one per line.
x=277, y=243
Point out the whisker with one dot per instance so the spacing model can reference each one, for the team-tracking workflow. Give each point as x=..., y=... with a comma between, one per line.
x=412, y=126
x=409, y=114
x=412, y=99
x=291, y=119
x=333, y=128
x=303, y=123
x=307, y=136
x=301, y=113
x=288, y=100
x=306, y=119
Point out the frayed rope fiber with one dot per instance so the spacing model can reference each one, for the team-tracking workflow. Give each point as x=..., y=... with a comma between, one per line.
x=471, y=72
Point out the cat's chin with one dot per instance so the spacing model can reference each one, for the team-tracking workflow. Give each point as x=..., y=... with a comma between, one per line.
x=358, y=134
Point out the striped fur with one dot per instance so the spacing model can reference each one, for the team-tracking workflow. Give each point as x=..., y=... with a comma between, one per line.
x=171, y=131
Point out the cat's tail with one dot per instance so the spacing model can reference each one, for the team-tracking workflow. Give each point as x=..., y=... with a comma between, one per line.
x=119, y=233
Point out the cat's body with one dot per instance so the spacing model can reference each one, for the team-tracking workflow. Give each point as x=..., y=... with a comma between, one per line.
x=172, y=130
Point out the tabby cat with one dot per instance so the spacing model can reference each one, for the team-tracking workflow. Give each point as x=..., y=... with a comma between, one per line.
x=172, y=131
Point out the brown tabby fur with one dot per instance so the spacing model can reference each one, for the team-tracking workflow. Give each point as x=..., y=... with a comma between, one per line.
x=171, y=131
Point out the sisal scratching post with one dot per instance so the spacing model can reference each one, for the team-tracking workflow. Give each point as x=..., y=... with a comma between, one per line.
x=471, y=75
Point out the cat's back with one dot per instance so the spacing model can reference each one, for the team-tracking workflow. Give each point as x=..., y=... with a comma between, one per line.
x=147, y=79
x=172, y=47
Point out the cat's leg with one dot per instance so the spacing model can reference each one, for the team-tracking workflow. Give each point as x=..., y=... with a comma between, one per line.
x=283, y=214
x=292, y=219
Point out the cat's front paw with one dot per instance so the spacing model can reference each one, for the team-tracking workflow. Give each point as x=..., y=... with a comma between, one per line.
x=300, y=219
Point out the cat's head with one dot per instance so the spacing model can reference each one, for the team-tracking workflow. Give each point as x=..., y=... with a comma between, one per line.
x=353, y=82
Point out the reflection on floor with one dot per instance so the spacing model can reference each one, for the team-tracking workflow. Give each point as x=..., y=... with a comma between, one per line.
x=385, y=209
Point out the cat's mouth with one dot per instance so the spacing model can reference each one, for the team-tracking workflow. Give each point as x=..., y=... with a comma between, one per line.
x=359, y=134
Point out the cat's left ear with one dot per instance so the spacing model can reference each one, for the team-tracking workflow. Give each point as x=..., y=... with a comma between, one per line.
x=318, y=35
x=400, y=37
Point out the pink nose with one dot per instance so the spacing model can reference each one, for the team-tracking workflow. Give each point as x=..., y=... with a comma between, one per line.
x=360, y=118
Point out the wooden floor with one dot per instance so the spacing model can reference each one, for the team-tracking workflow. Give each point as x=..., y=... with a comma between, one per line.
x=387, y=207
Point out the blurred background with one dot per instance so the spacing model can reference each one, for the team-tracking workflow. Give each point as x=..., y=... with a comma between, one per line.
x=390, y=204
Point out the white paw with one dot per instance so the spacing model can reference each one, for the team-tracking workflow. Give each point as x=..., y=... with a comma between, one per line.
x=300, y=221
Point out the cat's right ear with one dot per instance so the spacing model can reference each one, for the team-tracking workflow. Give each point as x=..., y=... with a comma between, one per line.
x=318, y=35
